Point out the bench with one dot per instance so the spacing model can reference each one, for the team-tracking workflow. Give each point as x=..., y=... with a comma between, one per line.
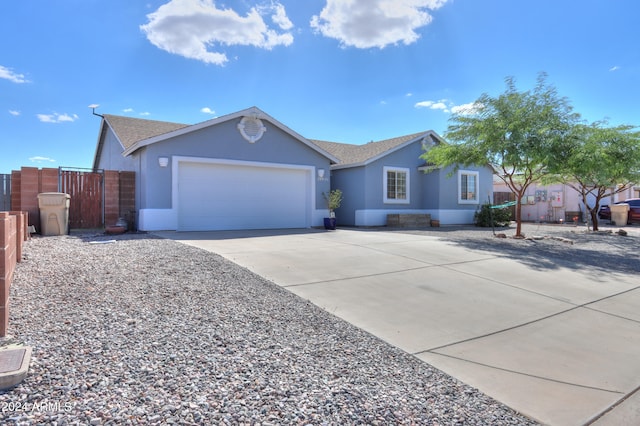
x=408, y=220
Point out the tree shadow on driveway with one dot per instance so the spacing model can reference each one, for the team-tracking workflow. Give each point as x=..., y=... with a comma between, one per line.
x=600, y=253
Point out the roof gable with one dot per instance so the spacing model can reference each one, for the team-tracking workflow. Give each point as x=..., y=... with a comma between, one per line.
x=361, y=155
x=145, y=136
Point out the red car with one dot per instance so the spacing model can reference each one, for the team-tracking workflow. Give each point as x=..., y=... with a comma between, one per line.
x=634, y=210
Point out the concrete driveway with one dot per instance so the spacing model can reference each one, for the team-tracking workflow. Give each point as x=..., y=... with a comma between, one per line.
x=560, y=346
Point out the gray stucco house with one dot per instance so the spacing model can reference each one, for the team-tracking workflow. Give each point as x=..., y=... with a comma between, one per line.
x=247, y=170
x=389, y=177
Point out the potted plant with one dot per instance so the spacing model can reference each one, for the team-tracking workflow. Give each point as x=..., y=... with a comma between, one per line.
x=333, y=199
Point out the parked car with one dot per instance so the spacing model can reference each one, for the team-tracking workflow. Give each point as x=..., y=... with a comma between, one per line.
x=634, y=210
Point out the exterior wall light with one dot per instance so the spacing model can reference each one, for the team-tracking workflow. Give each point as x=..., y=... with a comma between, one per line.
x=163, y=161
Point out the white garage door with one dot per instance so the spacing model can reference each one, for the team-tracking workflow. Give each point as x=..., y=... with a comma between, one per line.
x=231, y=196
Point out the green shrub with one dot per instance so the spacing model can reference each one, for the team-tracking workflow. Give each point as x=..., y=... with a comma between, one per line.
x=333, y=199
x=501, y=217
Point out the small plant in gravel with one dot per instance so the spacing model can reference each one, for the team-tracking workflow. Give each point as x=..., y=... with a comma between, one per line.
x=485, y=214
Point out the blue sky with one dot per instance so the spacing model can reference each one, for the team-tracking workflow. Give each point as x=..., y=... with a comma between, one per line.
x=341, y=70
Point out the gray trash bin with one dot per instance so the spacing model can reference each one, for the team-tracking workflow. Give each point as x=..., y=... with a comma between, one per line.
x=54, y=213
x=619, y=214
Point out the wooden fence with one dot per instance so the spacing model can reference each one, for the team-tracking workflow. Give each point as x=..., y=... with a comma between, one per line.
x=86, y=191
x=98, y=199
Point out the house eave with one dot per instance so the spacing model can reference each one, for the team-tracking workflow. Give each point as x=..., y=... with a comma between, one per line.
x=375, y=158
x=253, y=111
x=398, y=147
x=104, y=125
x=99, y=145
x=347, y=166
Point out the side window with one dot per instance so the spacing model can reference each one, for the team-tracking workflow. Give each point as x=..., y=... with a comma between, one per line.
x=468, y=187
x=395, y=185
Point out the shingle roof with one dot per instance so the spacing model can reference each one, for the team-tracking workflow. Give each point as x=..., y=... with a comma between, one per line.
x=358, y=154
x=131, y=130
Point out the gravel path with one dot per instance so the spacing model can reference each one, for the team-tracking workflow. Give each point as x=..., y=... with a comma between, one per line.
x=149, y=331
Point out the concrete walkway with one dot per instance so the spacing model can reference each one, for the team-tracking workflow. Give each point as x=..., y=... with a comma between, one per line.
x=560, y=346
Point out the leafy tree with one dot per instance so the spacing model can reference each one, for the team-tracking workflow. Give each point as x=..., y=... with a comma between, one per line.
x=599, y=161
x=516, y=133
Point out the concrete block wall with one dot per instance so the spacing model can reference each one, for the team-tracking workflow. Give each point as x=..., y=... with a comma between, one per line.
x=26, y=184
x=48, y=180
x=22, y=231
x=12, y=235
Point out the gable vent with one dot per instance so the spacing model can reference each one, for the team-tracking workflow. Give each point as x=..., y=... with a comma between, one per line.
x=251, y=128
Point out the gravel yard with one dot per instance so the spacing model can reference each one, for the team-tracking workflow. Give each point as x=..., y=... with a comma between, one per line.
x=149, y=331
x=547, y=245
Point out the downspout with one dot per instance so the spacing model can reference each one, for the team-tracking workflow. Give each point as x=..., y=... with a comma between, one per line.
x=93, y=111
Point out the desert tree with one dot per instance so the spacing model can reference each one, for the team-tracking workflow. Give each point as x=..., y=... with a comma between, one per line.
x=516, y=133
x=598, y=161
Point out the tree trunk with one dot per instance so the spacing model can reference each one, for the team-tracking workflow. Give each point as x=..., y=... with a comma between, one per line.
x=594, y=218
x=518, y=215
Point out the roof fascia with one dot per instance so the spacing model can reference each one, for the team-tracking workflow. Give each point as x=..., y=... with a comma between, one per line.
x=104, y=124
x=348, y=166
x=385, y=153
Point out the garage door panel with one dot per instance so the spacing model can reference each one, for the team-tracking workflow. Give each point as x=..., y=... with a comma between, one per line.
x=226, y=196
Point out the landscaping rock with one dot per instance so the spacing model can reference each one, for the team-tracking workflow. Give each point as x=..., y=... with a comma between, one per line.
x=150, y=331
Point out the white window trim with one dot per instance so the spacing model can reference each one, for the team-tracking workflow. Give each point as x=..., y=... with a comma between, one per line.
x=477, y=188
x=405, y=170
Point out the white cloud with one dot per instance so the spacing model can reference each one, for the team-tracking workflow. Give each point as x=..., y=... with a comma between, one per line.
x=8, y=74
x=14, y=112
x=145, y=114
x=614, y=68
x=374, y=23
x=437, y=105
x=197, y=29
x=57, y=118
x=39, y=159
x=467, y=109
x=279, y=16
x=127, y=110
x=207, y=110
x=447, y=106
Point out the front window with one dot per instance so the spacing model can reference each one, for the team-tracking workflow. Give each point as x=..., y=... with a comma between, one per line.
x=468, y=187
x=396, y=185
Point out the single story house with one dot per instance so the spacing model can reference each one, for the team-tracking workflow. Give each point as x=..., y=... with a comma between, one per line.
x=389, y=177
x=246, y=170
